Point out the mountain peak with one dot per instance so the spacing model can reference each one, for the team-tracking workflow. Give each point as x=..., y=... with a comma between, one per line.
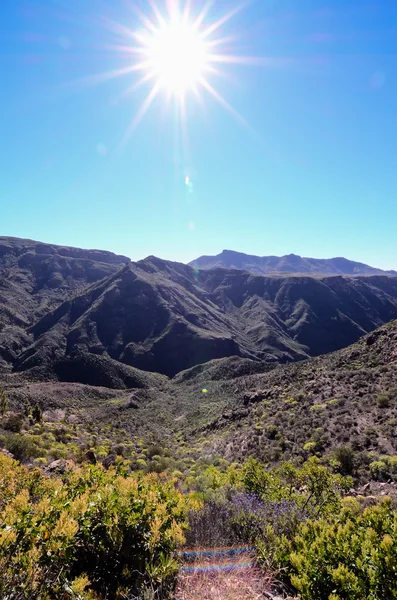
x=290, y=263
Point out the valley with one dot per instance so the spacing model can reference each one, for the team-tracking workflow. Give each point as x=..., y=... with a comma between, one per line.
x=202, y=365
x=159, y=405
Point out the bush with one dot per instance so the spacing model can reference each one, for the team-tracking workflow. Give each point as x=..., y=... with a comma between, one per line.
x=379, y=470
x=351, y=556
x=315, y=489
x=3, y=402
x=310, y=446
x=14, y=423
x=254, y=505
x=21, y=447
x=103, y=533
x=271, y=432
x=383, y=401
x=344, y=456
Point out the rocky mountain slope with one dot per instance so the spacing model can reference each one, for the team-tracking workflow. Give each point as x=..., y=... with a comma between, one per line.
x=35, y=278
x=342, y=404
x=66, y=313
x=263, y=265
x=343, y=399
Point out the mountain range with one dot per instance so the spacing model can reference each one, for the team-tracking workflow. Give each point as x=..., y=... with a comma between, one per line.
x=291, y=263
x=98, y=318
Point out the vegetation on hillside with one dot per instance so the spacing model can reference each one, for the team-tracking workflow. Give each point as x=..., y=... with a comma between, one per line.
x=319, y=542
x=295, y=461
x=340, y=407
x=94, y=534
x=90, y=535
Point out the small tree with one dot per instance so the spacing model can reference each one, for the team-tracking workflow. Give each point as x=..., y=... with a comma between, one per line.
x=3, y=402
x=37, y=414
x=27, y=409
x=346, y=459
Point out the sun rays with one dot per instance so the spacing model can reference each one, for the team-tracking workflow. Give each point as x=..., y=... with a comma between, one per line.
x=174, y=53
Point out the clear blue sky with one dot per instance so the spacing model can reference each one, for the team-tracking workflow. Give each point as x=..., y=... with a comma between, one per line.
x=315, y=173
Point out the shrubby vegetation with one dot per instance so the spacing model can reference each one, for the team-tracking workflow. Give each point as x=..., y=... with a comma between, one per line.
x=90, y=535
x=242, y=503
x=322, y=544
x=350, y=555
x=94, y=534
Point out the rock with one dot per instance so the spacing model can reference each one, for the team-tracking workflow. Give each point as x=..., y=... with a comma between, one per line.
x=6, y=453
x=57, y=466
x=252, y=397
x=109, y=460
x=132, y=404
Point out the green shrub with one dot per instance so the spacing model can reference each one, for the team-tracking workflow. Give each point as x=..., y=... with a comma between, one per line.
x=153, y=451
x=21, y=446
x=14, y=423
x=312, y=486
x=344, y=456
x=37, y=414
x=310, y=446
x=378, y=469
x=383, y=401
x=101, y=534
x=352, y=556
x=3, y=402
x=271, y=431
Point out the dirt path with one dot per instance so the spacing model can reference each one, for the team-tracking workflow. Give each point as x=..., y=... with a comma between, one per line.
x=222, y=574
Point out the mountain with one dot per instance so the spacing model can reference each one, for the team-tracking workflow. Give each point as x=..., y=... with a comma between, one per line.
x=347, y=398
x=95, y=318
x=263, y=265
x=35, y=278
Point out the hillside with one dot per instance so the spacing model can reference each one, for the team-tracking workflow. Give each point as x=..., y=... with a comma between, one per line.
x=347, y=398
x=62, y=305
x=35, y=278
x=291, y=263
x=232, y=408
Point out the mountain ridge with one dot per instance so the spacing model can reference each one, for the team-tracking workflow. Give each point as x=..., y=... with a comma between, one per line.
x=160, y=316
x=291, y=263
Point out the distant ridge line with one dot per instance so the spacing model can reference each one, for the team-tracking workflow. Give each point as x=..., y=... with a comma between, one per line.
x=290, y=263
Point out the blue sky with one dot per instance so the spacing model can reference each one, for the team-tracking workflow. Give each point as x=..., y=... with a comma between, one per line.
x=313, y=172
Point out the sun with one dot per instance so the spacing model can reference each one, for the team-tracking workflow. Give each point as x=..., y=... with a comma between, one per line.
x=176, y=51
x=177, y=56
x=180, y=53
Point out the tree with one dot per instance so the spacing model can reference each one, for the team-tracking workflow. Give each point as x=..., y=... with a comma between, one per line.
x=345, y=457
x=37, y=414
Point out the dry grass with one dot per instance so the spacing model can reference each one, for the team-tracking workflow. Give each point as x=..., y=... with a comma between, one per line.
x=242, y=584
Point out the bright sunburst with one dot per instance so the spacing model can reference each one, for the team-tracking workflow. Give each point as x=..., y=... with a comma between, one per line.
x=177, y=55
x=176, y=52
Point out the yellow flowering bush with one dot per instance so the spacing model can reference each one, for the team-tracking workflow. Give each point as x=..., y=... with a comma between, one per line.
x=351, y=555
x=93, y=534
